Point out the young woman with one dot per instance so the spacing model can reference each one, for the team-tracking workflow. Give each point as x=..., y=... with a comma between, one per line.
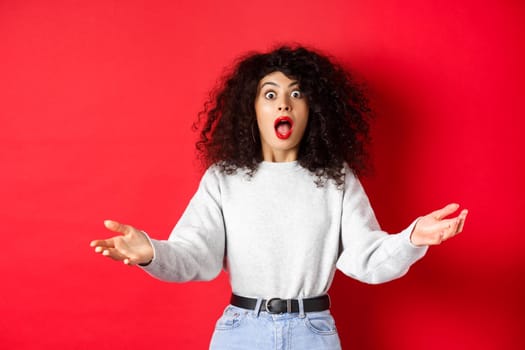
x=280, y=206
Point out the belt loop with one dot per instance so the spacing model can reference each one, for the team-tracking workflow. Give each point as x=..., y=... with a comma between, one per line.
x=301, y=308
x=257, y=307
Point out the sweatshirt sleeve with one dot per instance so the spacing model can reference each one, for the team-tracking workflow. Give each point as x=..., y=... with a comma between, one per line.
x=195, y=247
x=369, y=254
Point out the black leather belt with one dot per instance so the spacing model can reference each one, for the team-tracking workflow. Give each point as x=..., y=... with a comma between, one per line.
x=279, y=306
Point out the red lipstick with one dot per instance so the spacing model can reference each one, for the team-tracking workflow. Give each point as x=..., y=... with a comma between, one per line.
x=283, y=127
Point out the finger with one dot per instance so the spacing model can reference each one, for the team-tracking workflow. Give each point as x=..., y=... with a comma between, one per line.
x=445, y=211
x=94, y=243
x=117, y=227
x=114, y=254
x=444, y=226
x=462, y=218
x=452, y=229
x=105, y=243
x=130, y=261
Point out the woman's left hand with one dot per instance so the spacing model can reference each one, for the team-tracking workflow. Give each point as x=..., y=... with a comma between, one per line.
x=433, y=228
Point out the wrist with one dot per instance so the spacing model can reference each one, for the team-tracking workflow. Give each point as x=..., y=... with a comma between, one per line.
x=145, y=264
x=149, y=252
x=414, y=235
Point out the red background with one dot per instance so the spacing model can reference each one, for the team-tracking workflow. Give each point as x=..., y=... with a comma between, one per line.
x=96, y=104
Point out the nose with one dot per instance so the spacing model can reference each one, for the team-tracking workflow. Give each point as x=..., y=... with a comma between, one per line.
x=284, y=105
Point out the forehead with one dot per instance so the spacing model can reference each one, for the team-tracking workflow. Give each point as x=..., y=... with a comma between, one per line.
x=277, y=78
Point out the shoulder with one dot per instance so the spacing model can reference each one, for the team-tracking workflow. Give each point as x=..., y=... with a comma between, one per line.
x=351, y=180
x=218, y=175
x=212, y=174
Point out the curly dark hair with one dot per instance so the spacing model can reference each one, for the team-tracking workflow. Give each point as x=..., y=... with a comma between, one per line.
x=338, y=122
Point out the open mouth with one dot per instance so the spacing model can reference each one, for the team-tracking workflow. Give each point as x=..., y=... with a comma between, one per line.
x=283, y=127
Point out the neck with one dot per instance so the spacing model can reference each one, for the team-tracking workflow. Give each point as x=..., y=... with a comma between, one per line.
x=278, y=156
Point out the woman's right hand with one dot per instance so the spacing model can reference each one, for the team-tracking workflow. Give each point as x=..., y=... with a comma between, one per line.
x=131, y=246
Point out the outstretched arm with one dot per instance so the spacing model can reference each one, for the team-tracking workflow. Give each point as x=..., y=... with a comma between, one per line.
x=373, y=256
x=196, y=246
x=434, y=228
x=131, y=245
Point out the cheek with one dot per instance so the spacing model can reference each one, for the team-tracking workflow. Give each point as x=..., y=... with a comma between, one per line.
x=302, y=121
x=264, y=116
x=301, y=126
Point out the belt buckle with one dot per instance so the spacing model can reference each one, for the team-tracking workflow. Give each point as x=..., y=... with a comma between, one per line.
x=267, y=305
x=270, y=311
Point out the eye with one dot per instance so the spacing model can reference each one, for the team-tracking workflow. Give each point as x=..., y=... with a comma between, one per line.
x=270, y=95
x=296, y=94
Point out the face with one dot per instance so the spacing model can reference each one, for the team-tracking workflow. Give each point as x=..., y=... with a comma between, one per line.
x=282, y=115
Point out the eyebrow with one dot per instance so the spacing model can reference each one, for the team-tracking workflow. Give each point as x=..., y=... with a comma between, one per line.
x=275, y=84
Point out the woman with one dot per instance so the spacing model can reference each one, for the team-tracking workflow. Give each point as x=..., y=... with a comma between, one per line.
x=280, y=206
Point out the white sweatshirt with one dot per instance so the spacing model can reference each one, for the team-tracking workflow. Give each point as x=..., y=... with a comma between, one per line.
x=279, y=235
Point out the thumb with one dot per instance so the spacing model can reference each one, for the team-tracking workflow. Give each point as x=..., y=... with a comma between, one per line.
x=117, y=227
x=445, y=211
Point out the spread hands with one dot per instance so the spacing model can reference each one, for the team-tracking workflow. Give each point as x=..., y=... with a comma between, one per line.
x=131, y=246
x=432, y=229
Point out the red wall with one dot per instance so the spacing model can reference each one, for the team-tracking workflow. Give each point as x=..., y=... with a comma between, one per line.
x=96, y=104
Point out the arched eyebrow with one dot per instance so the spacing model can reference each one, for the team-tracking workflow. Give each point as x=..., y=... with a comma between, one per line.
x=293, y=83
